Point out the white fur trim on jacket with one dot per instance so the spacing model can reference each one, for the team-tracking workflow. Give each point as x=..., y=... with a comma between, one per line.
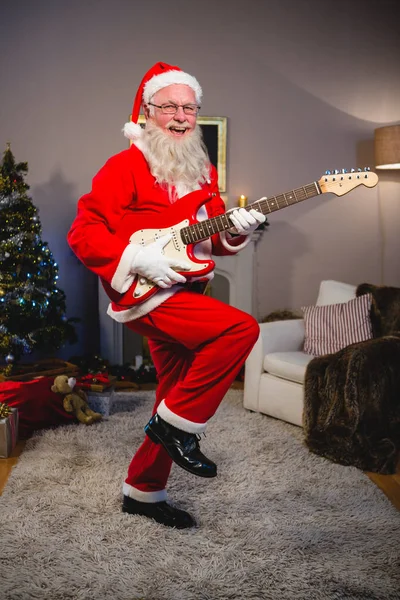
x=158, y=82
x=142, y=309
x=231, y=248
x=179, y=422
x=132, y=492
x=123, y=277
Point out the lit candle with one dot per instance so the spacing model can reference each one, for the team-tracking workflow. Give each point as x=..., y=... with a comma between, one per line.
x=242, y=201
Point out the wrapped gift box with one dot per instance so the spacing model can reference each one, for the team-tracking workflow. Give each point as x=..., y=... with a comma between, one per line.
x=8, y=433
x=95, y=383
x=101, y=402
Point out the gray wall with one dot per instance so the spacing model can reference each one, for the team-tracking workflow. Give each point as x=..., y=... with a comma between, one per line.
x=303, y=84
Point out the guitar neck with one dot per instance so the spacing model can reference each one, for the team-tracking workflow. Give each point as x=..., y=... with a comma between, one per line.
x=205, y=229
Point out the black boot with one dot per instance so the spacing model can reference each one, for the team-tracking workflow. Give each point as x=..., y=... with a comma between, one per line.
x=159, y=511
x=181, y=446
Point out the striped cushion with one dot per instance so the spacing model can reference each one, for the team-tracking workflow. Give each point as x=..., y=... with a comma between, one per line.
x=335, y=326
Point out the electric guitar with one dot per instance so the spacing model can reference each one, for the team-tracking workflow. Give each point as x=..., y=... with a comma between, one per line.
x=187, y=231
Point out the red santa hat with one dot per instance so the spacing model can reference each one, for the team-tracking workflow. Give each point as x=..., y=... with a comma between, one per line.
x=158, y=77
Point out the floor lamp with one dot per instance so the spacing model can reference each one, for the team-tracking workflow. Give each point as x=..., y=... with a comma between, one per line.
x=387, y=156
x=387, y=147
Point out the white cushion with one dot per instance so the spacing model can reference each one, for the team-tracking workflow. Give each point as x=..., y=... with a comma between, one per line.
x=288, y=365
x=335, y=292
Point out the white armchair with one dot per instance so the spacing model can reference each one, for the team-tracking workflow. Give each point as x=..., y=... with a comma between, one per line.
x=276, y=366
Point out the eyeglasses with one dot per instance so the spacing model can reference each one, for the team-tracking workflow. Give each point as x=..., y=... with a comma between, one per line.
x=172, y=109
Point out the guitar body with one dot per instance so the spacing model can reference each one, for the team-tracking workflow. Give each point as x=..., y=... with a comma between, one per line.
x=142, y=229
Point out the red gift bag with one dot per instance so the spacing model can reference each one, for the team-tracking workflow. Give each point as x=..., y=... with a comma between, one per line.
x=38, y=407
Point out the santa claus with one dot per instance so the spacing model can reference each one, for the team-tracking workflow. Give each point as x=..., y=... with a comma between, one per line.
x=197, y=343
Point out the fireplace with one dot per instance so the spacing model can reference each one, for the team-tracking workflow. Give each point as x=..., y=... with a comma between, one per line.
x=233, y=283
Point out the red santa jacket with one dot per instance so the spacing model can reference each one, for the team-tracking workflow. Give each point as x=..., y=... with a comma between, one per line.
x=125, y=184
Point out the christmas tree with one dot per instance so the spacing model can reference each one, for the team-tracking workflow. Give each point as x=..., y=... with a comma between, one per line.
x=32, y=308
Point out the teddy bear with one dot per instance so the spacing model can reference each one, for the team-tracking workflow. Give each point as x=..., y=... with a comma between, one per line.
x=74, y=401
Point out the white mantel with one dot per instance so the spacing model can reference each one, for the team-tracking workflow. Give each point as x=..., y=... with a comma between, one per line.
x=238, y=269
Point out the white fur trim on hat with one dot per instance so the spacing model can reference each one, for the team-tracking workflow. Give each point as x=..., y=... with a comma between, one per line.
x=158, y=82
x=132, y=131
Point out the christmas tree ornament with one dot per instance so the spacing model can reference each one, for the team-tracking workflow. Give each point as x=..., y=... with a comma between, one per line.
x=9, y=359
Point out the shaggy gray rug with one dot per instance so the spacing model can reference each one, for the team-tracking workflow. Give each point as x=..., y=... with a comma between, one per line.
x=277, y=523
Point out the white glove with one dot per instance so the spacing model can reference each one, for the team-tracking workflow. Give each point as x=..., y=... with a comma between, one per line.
x=245, y=222
x=150, y=262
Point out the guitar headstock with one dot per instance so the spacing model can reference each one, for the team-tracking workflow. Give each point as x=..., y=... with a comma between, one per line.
x=341, y=182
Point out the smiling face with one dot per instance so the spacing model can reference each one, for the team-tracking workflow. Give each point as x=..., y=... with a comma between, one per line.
x=178, y=125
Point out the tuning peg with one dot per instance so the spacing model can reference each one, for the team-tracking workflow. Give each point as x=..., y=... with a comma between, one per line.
x=344, y=170
x=359, y=170
x=352, y=170
x=327, y=172
x=367, y=169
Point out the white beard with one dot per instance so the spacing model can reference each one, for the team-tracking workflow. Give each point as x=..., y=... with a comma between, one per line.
x=180, y=165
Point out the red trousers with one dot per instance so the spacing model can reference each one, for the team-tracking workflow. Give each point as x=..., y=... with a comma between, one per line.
x=198, y=345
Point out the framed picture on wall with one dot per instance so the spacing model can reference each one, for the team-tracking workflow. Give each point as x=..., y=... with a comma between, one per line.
x=214, y=134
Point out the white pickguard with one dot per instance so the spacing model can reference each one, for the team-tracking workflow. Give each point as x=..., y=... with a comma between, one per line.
x=175, y=249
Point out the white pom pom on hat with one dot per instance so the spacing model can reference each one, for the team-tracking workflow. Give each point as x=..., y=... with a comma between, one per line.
x=158, y=77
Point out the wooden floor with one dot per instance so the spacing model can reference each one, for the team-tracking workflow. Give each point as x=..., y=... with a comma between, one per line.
x=6, y=464
x=389, y=484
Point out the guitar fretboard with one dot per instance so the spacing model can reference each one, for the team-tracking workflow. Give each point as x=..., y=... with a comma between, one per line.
x=205, y=229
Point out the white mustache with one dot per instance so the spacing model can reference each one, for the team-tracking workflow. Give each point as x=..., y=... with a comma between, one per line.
x=173, y=123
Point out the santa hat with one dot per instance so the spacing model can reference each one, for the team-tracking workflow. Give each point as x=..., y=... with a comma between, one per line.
x=158, y=77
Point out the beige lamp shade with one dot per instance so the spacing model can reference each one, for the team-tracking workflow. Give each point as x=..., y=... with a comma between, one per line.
x=387, y=147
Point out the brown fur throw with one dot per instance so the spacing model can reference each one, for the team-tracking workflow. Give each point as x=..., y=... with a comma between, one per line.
x=352, y=408
x=352, y=398
x=385, y=308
